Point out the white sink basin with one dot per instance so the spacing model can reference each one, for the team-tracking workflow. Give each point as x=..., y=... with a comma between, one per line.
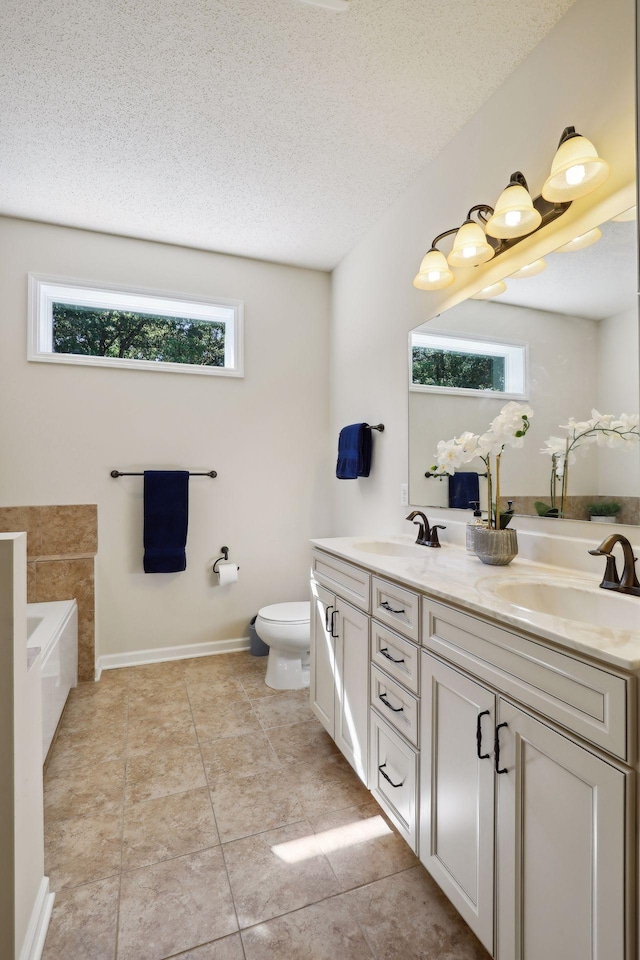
x=571, y=600
x=388, y=548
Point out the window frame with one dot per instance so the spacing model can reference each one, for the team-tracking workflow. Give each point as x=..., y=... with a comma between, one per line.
x=490, y=342
x=42, y=295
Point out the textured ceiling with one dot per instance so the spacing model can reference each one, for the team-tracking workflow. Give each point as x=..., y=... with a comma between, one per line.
x=267, y=128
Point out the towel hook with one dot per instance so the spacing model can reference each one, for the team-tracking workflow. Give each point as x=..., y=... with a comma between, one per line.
x=378, y=426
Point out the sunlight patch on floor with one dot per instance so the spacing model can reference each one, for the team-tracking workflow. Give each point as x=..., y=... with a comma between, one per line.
x=360, y=831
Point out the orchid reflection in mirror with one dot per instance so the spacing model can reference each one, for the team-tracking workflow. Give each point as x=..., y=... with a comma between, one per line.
x=602, y=430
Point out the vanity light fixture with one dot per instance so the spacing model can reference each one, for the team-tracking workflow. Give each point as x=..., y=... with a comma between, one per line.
x=434, y=272
x=579, y=243
x=626, y=216
x=514, y=214
x=493, y=290
x=487, y=232
x=576, y=169
x=470, y=246
x=530, y=270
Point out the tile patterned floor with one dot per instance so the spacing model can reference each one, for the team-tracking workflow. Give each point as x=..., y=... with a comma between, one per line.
x=194, y=813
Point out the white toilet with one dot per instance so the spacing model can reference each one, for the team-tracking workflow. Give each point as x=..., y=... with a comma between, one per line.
x=284, y=627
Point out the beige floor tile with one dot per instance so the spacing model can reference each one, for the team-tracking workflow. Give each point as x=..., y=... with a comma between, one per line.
x=152, y=735
x=229, y=948
x=361, y=845
x=216, y=691
x=166, y=671
x=90, y=745
x=255, y=687
x=322, y=931
x=117, y=677
x=84, y=923
x=201, y=668
x=174, y=906
x=407, y=917
x=290, y=707
x=170, y=705
x=160, y=774
x=248, y=806
x=83, y=849
x=234, y=758
x=170, y=826
x=301, y=742
x=234, y=719
x=277, y=872
x=82, y=791
x=326, y=785
x=93, y=712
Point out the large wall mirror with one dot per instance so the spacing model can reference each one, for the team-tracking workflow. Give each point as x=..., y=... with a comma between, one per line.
x=564, y=340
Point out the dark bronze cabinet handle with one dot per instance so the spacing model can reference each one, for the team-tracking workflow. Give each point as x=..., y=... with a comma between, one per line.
x=387, y=606
x=382, y=696
x=387, y=777
x=497, y=749
x=326, y=617
x=481, y=755
x=385, y=653
x=333, y=615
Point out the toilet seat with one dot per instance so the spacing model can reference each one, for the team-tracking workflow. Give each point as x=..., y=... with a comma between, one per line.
x=295, y=612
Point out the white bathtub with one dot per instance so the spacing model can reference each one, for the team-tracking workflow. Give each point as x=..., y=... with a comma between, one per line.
x=52, y=631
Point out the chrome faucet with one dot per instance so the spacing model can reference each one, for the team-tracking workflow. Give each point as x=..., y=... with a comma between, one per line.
x=611, y=580
x=427, y=536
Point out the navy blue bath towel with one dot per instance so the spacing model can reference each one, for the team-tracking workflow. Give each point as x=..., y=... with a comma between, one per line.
x=166, y=514
x=354, y=452
x=464, y=489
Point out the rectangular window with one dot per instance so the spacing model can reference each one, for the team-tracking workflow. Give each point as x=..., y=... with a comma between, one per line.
x=76, y=322
x=446, y=363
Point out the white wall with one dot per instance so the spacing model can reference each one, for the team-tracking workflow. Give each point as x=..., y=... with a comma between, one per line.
x=583, y=74
x=65, y=427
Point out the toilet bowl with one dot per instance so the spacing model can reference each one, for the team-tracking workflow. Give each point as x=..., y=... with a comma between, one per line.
x=284, y=627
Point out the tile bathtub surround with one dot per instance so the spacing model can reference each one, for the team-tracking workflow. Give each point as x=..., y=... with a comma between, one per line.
x=61, y=544
x=192, y=836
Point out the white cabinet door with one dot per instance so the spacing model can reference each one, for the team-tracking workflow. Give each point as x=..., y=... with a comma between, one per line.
x=351, y=628
x=457, y=792
x=323, y=679
x=561, y=846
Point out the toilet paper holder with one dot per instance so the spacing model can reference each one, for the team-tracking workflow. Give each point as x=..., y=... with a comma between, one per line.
x=224, y=556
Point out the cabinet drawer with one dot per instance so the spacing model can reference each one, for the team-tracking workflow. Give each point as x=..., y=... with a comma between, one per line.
x=397, y=705
x=396, y=607
x=588, y=700
x=397, y=656
x=349, y=582
x=393, y=776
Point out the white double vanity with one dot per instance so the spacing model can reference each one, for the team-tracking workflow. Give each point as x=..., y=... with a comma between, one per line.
x=492, y=713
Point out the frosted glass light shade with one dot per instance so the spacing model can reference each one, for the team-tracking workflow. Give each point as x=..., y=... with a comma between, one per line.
x=579, y=243
x=434, y=272
x=514, y=214
x=576, y=171
x=470, y=247
x=530, y=270
x=626, y=215
x=493, y=290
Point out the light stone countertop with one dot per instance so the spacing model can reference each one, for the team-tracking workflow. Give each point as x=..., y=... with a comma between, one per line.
x=454, y=576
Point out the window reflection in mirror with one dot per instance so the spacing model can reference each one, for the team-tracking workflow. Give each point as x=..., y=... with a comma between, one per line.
x=576, y=323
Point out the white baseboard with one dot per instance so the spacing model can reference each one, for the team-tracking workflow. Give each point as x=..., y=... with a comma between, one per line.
x=38, y=923
x=134, y=658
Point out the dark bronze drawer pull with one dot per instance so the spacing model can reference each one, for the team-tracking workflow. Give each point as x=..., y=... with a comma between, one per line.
x=481, y=755
x=387, y=777
x=387, y=606
x=382, y=696
x=497, y=749
x=326, y=617
x=333, y=616
x=385, y=653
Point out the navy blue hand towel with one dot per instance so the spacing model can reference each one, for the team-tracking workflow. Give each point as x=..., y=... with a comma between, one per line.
x=354, y=452
x=166, y=513
x=464, y=489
